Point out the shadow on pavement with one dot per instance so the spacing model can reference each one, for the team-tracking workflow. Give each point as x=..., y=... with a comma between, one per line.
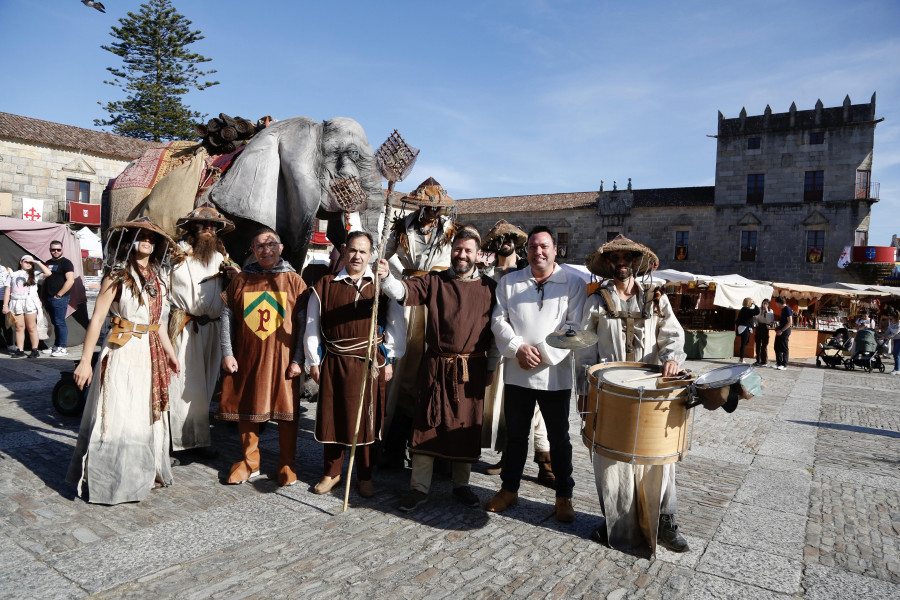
x=853, y=428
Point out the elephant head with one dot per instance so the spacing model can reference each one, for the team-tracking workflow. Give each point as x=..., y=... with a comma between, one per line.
x=282, y=179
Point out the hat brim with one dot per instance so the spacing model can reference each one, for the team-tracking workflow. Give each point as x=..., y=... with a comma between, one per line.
x=644, y=262
x=503, y=230
x=224, y=225
x=143, y=224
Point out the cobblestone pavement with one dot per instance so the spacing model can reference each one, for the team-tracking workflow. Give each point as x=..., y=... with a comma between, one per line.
x=797, y=494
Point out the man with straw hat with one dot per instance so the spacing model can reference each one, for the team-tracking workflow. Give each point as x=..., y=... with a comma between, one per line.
x=263, y=357
x=504, y=241
x=633, y=322
x=195, y=287
x=419, y=243
x=455, y=372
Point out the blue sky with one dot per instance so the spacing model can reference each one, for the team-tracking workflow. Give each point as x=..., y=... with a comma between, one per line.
x=503, y=97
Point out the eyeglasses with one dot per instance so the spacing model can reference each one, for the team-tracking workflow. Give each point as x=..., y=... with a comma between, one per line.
x=55, y=249
x=266, y=246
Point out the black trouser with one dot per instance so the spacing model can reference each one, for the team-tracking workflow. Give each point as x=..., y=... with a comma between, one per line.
x=518, y=405
x=745, y=339
x=762, y=344
x=781, y=348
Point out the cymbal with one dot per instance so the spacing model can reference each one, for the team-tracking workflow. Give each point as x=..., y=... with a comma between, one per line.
x=571, y=339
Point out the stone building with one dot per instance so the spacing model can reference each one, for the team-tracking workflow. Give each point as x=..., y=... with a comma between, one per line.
x=792, y=190
x=58, y=164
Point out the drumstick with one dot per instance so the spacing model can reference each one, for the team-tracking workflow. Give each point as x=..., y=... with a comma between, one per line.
x=650, y=376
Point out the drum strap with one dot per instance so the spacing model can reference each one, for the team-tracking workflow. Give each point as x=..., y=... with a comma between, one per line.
x=628, y=317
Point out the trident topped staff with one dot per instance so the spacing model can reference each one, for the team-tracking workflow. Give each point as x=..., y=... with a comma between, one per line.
x=395, y=161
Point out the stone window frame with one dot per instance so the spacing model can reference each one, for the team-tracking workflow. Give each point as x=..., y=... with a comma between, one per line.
x=79, y=191
x=816, y=138
x=814, y=185
x=682, y=241
x=756, y=188
x=815, y=247
x=754, y=143
x=755, y=247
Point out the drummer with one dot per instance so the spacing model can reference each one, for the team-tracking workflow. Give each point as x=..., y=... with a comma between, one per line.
x=634, y=322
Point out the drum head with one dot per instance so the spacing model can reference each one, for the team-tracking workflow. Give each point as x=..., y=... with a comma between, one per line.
x=723, y=376
x=622, y=376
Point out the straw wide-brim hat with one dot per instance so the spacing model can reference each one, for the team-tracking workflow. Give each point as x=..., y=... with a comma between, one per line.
x=143, y=223
x=208, y=213
x=645, y=261
x=429, y=193
x=502, y=228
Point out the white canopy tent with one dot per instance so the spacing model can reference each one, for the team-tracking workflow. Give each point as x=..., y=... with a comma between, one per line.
x=90, y=242
x=730, y=289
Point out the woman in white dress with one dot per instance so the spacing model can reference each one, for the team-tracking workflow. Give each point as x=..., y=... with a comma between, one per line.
x=25, y=303
x=123, y=444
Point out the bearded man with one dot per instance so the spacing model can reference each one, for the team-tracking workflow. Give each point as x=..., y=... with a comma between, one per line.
x=196, y=308
x=455, y=370
x=419, y=244
x=634, y=322
x=505, y=241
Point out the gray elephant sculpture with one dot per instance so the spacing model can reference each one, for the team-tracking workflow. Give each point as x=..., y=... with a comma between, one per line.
x=282, y=180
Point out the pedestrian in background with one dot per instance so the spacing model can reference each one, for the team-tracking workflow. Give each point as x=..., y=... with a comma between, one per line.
x=744, y=324
x=764, y=319
x=5, y=274
x=56, y=296
x=892, y=333
x=25, y=303
x=783, y=333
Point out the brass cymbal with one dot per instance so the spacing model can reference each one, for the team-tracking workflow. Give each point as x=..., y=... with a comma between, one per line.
x=571, y=339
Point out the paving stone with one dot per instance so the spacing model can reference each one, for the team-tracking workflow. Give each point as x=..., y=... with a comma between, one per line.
x=762, y=529
x=776, y=490
x=752, y=567
x=824, y=583
x=709, y=587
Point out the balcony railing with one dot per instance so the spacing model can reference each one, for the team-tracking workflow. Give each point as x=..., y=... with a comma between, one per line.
x=873, y=191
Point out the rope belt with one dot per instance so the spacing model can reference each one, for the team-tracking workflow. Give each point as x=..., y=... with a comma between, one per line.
x=123, y=330
x=454, y=367
x=355, y=346
x=417, y=273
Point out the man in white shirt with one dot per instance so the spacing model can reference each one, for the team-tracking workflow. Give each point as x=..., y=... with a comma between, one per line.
x=532, y=303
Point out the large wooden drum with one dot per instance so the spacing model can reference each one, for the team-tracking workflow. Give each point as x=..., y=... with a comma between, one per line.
x=628, y=419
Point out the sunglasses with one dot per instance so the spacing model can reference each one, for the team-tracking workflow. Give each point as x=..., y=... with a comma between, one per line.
x=55, y=249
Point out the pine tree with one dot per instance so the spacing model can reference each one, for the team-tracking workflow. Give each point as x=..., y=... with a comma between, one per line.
x=157, y=71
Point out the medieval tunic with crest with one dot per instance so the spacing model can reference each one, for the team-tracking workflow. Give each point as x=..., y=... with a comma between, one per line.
x=267, y=311
x=632, y=496
x=448, y=413
x=338, y=319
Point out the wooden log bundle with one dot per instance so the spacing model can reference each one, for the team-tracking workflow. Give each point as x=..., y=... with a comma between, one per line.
x=224, y=134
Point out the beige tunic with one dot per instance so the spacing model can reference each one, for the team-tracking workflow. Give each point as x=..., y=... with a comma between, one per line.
x=197, y=348
x=632, y=496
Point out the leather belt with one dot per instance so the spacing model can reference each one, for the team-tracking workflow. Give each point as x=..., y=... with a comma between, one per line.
x=123, y=330
x=417, y=273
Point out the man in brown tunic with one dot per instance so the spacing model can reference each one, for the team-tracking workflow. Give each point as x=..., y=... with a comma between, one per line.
x=261, y=338
x=456, y=367
x=337, y=325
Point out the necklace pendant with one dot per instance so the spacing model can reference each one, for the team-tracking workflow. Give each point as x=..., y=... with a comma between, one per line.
x=152, y=291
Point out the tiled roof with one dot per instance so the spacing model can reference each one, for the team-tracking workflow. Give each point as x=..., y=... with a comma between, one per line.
x=686, y=196
x=26, y=129
x=538, y=202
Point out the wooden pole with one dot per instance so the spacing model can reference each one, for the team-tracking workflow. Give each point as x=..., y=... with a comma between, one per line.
x=370, y=348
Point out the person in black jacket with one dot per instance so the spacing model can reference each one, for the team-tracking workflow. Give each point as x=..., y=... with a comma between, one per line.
x=744, y=323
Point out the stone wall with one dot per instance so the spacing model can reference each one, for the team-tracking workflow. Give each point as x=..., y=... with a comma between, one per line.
x=40, y=172
x=714, y=235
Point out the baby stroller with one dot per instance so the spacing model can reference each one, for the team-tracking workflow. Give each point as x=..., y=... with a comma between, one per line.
x=867, y=354
x=831, y=352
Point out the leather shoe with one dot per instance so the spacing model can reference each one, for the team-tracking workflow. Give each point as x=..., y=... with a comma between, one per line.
x=565, y=512
x=412, y=500
x=600, y=535
x=668, y=536
x=324, y=486
x=286, y=476
x=240, y=472
x=366, y=488
x=466, y=496
x=501, y=501
x=495, y=469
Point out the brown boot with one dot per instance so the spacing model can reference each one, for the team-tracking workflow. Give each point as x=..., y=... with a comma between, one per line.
x=287, y=445
x=545, y=472
x=324, y=486
x=565, y=512
x=366, y=488
x=248, y=468
x=501, y=501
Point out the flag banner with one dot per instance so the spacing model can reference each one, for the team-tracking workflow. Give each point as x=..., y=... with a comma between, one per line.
x=32, y=210
x=84, y=214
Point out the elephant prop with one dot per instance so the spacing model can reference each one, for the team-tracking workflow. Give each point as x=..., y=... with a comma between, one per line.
x=282, y=179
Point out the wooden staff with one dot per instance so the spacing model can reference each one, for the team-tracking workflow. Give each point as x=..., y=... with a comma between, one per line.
x=396, y=159
x=373, y=322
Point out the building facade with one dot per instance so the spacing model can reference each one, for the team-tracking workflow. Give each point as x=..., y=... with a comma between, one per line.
x=792, y=191
x=58, y=164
